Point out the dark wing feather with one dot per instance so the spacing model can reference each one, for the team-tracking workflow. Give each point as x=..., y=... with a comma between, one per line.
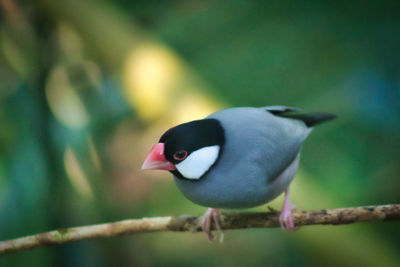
x=310, y=119
x=280, y=109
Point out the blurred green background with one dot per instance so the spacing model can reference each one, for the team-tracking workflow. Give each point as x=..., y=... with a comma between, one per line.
x=86, y=88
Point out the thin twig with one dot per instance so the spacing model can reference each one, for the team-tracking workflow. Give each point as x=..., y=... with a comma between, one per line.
x=192, y=224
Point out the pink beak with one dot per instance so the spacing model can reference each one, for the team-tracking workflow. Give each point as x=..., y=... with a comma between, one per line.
x=156, y=159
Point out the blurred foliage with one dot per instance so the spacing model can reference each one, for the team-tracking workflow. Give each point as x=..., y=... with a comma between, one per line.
x=88, y=86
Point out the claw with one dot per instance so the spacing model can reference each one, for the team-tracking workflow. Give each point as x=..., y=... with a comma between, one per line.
x=210, y=215
x=285, y=219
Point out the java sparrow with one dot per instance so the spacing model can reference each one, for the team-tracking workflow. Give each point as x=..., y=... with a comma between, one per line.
x=236, y=158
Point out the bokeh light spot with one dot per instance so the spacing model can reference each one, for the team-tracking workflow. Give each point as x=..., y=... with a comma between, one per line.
x=151, y=76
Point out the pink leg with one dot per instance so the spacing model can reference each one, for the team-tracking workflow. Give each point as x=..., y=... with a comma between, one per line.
x=285, y=219
x=210, y=215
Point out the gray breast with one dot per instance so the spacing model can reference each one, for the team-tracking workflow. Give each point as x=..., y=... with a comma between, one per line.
x=258, y=148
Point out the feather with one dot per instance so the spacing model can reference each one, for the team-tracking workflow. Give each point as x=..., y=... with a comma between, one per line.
x=310, y=119
x=281, y=109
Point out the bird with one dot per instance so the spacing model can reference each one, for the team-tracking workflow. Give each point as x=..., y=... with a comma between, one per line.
x=236, y=158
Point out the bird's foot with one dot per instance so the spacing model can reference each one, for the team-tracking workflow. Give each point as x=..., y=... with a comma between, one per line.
x=211, y=214
x=286, y=220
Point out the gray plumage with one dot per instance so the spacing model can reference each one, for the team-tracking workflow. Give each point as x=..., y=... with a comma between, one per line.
x=258, y=161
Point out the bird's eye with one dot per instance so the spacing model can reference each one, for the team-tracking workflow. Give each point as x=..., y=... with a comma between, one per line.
x=180, y=155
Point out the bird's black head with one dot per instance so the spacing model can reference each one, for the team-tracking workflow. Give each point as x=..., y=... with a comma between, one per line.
x=190, y=149
x=191, y=136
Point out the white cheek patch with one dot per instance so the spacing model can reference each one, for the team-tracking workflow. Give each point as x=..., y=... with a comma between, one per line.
x=198, y=162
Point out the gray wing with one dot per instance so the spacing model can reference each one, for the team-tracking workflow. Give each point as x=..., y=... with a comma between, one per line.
x=259, y=142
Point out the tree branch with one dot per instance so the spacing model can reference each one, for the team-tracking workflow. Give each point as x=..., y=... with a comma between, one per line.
x=192, y=224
